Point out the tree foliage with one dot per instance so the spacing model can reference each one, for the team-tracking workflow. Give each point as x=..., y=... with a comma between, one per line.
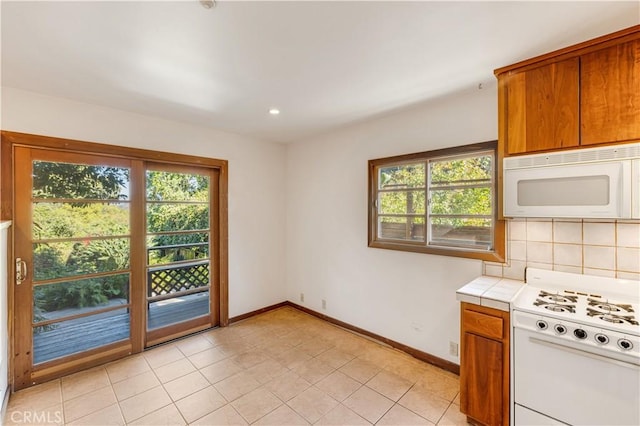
x=64, y=180
x=169, y=213
x=76, y=235
x=403, y=191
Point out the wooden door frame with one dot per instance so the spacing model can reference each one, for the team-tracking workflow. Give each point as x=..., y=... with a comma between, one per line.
x=9, y=140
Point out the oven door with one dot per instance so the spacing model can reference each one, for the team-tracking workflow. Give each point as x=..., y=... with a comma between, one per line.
x=572, y=386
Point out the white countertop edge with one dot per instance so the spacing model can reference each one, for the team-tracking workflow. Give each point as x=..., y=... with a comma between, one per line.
x=492, y=292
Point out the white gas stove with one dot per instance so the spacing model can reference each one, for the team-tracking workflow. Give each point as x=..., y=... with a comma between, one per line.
x=576, y=350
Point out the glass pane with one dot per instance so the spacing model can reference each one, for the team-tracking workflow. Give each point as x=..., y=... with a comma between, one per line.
x=467, y=201
x=594, y=191
x=177, y=217
x=402, y=176
x=58, y=260
x=473, y=232
x=461, y=171
x=401, y=228
x=402, y=202
x=170, y=186
x=177, y=309
x=162, y=249
x=53, y=301
x=73, y=220
x=77, y=335
x=77, y=181
x=177, y=278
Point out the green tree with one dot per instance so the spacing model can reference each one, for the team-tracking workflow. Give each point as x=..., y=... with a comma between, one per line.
x=64, y=180
x=177, y=202
x=56, y=218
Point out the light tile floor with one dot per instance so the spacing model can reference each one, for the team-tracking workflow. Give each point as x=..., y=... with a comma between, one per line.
x=283, y=367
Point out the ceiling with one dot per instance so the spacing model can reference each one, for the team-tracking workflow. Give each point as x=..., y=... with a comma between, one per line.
x=323, y=64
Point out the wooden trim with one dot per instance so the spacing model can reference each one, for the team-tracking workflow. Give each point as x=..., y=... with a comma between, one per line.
x=174, y=331
x=61, y=144
x=242, y=317
x=416, y=353
x=214, y=249
x=138, y=293
x=6, y=178
x=22, y=307
x=444, y=152
x=490, y=256
x=79, y=362
x=597, y=43
x=223, y=245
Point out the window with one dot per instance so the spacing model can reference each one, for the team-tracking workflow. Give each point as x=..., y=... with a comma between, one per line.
x=441, y=202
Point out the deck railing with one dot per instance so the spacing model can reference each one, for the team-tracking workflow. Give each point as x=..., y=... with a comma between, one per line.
x=185, y=278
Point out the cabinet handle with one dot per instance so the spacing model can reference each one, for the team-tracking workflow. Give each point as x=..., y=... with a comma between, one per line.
x=21, y=271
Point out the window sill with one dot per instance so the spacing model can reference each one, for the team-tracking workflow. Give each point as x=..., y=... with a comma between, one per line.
x=490, y=256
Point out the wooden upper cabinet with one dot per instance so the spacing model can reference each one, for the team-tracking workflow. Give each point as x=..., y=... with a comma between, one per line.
x=542, y=107
x=581, y=95
x=610, y=94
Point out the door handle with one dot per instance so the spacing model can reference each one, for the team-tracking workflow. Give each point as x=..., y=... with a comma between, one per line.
x=21, y=271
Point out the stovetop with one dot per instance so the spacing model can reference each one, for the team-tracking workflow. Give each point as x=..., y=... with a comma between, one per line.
x=607, y=303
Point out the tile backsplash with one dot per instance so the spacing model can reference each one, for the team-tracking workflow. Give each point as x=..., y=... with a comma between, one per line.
x=610, y=249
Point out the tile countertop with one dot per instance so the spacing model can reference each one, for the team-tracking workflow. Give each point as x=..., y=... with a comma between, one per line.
x=492, y=292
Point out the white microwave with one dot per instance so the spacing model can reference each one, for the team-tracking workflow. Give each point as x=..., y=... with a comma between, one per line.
x=582, y=183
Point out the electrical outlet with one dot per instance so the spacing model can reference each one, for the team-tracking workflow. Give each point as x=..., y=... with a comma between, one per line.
x=302, y=297
x=324, y=304
x=453, y=349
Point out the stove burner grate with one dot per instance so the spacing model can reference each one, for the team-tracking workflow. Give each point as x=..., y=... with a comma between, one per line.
x=612, y=318
x=557, y=297
x=555, y=307
x=610, y=307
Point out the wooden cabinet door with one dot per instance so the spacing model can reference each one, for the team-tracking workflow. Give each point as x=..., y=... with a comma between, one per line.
x=610, y=94
x=482, y=374
x=542, y=108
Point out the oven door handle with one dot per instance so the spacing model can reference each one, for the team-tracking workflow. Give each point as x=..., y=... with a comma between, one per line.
x=584, y=353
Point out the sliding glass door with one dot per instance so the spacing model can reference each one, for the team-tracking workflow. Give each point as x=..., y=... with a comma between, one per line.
x=111, y=255
x=178, y=250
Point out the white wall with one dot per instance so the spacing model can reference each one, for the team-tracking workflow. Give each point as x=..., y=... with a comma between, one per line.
x=256, y=179
x=324, y=199
x=387, y=292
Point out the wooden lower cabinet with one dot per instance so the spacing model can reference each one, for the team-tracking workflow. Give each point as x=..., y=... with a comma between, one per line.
x=484, y=365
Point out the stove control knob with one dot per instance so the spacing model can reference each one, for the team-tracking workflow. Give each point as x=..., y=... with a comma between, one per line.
x=580, y=333
x=625, y=344
x=542, y=325
x=602, y=339
x=560, y=329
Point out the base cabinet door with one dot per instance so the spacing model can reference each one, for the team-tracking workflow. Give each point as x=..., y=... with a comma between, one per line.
x=483, y=379
x=484, y=365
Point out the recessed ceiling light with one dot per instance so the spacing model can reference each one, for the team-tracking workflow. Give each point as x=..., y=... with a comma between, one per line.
x=274, y=111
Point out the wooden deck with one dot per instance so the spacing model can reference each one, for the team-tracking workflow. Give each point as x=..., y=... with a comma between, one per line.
x=70, y=337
